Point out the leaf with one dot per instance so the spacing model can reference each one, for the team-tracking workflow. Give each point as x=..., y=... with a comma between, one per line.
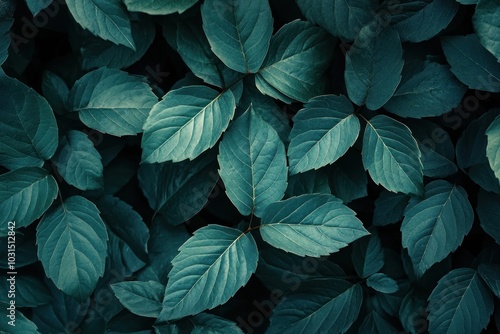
x=493, y=146
x=36, y=6
x=488, y=210
x=313, y=181
x=484, y=177
x=55, y=90
x=238, y=32
x=472, y=63
x=25, y=251
x=340, y=18
x=391, y=156
x=367, y=254
x=29, y=291
x=203, y=323
x=298, y=56
x=389, y=208
x=23, y=324
x=252, y=164
x=72, y=246
x=324, y=120
x=159, y=7
x=382, y=283
x=28, y=129
x=78, y=161
x=437, y=225
x=486, y=25
x=107, y=19
x=5, y=26
x=141, y=298
x=374, y=323
x=426, y=92
x=371, y=73
x=210, y=267
x=25, y=195
x=178, y=191
x=187, y=122
x=311, y=224
x=112, y=101
x=348, y=179
x=412, y=313
x=490, y=273
x=460, y=303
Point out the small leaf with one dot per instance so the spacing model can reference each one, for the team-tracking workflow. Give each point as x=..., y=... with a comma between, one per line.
x=311, y=224
x=493, y=146
x=491, y=275
x=141, y=298
x=389, y=208
x=486, y=25
x=36, y=6
x=159, y=7
x=368, y=255
x=382, y=283
x=412, y=313
x=55, y=90
x=488, y=210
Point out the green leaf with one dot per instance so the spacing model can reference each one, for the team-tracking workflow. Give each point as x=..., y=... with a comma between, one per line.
x=78, y=161
x=313, y=181
x=107, y=19
x=437, y=224
x=25, y=194
x=178, y=191
x=36, y=6
x=340, y=18
x=29, y=292
x=471, y=63
x=112, y=101
x=493, y=146
x=412, y=312
x=323, y=120
x=367, y=254
x=491, y=275
x=28, y=129
x=382, y=283
x=159, y=7
x=252, y=164
x=210, y=267
x=348, y=180
x=141, y=298
x=22, y=324
x=238, y=32
x=298, y=56
x=371, y=73
x=374, y=323
x=25, y=251
x=72, y=246
x=203, y=323
x=429, y=91
x=488, y=210
x=187, y=122
x=460, y=303
x=311, y=224
x=55, y=90
x=484, y=177
x=391, y=156
x=486, y=25
x=5, y=26
x=389, y=208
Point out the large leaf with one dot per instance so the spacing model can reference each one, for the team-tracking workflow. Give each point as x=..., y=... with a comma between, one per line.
x=78, y=161
x=389, y=208
x=187, y=122
x=141, y=298
x=293, y=69
x=487, y=26
x=72, y=246
x=488, y=210
x=471, y=62
x=436, y=225
x=318, y=306
x=391, y=156
x=460, y=303
x=427, y=91
x=238, y=32
x=112, y=101
x=368, y=254
x=493, y=146
x=107, y=19
x=371, y=73
x=210, y=267
x=28, y=129
x=311, y=224
x=159, y=7
x=252, y=163
x=25, y=194
x=322, y=132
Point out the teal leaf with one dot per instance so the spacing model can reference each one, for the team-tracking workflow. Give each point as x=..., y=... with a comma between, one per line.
x=30, y=291
x=311, y=224
x=187, y=122
x=203, y=323
x=313, y=181
x=252, y=164
x=159, y=7
x=374, y=323
x=348, y=180
x=298, y=56
x=382, y=283
x=25, y=195
x=371, y=73
x=426, y=92
x=483, y=176
x=367, y=254
x=486, y=25
x=23, y=324
x=36, y=6
x=55, y=90
x=78, y=162
x=112, y=101
x=318, y=306
x=471, y=63
x=180, y=190
x=412, y=312
x=391, y=156
x=5, y=25
x=488, y=210
x=493, y=146
x=491, y=275
x=210, y=267
x=72, y=246
x=141, y=298
x=107, y=19
x=25, y=252
x=28, y=129
x=238, y=32
x=460, y=303
x=389, y=208
x=437, y=225
x=340, y=18
x=322, y=132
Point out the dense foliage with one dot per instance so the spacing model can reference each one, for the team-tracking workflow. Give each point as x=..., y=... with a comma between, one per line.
x=250, y=166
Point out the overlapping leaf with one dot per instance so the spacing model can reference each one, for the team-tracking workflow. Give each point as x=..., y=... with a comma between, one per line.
x=368, y=255
x=488, y=210
x=493, y=146
x=487, y=26
x=389, y=208
x=382, y=283
x=348, y=180
x=159, y=7
x=141, y=298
